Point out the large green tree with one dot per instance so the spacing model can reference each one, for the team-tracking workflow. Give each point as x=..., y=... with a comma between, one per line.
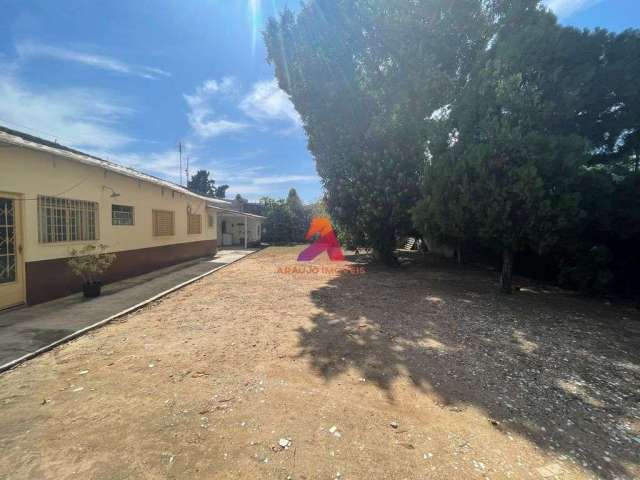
x=609, y=100
x=505, y=158
x=363, y=75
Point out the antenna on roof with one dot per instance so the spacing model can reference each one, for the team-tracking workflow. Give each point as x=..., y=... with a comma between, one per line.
x=180, y=159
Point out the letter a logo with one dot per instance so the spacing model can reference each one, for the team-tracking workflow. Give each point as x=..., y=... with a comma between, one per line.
x=326, y=242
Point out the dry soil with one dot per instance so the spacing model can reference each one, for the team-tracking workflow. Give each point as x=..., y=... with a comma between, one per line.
x=419, y=372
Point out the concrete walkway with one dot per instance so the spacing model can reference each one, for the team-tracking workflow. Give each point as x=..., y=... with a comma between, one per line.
x=26, y=329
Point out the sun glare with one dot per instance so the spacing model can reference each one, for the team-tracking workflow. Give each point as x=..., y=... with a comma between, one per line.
x=254, y=7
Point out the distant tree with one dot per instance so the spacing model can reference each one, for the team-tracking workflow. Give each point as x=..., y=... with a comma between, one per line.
x=299, y=216
x=319, y=209
x=221, y=191
x=202, y=184
x=278, y=226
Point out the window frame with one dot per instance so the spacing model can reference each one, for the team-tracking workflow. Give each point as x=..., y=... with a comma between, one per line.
x=156, y=226
x=190, y=229
x=133, y=215
x=67, y=220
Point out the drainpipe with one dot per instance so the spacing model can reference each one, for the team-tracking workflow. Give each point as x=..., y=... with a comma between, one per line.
x=245, y=232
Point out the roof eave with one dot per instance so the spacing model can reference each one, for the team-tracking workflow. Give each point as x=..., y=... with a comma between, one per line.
x=97, y=162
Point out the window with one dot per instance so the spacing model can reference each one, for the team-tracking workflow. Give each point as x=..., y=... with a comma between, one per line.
x=121, y=215
x=211, y=221
x=65, y=220
x=194, y=224
x=163, y=223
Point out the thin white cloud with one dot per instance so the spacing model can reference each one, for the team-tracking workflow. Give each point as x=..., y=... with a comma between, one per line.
x=28, y=50
x=207, y=128
x=253, y=183
x=81, y=118
x=267, y=102
x=204, y=92
x=201, y=115
x=286, y=179
x=164, y=164
x=566, y=8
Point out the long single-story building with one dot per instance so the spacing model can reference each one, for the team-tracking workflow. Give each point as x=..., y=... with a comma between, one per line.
x=54, y=198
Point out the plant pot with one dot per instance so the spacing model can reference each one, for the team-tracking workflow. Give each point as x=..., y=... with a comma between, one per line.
x=91, y=290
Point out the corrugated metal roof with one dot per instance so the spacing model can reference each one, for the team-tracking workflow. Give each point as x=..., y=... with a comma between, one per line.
x=234, y=212
x=24, y=140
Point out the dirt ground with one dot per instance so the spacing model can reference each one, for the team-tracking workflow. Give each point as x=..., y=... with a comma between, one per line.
x=412, y=373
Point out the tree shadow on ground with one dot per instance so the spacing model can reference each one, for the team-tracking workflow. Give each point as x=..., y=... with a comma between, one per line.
x=558, y=369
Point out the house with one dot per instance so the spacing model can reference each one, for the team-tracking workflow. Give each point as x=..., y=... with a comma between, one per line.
x=54, y=198
x=246, y=206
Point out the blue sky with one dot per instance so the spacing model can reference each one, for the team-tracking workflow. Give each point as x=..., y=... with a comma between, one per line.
x=128, y=80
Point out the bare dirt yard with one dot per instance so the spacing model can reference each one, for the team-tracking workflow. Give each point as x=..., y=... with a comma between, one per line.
x=419, y=372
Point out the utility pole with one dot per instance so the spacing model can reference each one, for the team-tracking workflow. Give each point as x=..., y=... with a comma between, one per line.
x=186, y=171
x=180, y=157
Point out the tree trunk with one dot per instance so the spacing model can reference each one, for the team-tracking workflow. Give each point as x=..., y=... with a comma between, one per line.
x=459, y=253
x=507, y=271
x=386, y=255
x=385, y=247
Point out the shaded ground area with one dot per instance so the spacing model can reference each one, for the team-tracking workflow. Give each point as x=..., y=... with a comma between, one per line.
x=424, y=372
x=26, y=329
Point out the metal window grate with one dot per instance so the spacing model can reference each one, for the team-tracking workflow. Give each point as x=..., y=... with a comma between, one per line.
x=65, y=220
x=7, y=241
x=121, y=215
x=194, y=225
x=163, y=223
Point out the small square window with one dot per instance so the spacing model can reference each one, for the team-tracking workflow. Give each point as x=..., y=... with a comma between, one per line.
x=121, y=215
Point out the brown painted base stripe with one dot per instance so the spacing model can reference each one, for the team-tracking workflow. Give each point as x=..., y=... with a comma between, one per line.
x=79, y=333
x=50, y=279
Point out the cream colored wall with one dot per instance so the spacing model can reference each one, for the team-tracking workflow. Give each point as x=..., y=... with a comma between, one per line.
x=32, y=173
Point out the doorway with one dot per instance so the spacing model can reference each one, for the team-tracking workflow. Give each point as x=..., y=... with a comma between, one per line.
x=11, y=260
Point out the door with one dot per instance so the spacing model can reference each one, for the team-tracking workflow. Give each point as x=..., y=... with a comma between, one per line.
x=11, y=268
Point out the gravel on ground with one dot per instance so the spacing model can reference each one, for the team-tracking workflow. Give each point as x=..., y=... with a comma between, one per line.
x=276, y=369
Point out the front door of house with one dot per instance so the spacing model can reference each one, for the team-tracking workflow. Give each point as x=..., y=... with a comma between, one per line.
x=11, y=271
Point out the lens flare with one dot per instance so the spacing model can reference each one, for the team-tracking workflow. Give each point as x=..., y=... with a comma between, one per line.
x=254, y=8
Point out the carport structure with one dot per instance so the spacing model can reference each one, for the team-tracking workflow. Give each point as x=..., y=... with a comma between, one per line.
x=236, y=228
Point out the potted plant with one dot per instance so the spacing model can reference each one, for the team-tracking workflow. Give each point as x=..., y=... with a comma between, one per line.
x=89, y=263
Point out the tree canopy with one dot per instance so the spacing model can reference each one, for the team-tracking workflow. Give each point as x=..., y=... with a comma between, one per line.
x=477, y=122
x=200, y=183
